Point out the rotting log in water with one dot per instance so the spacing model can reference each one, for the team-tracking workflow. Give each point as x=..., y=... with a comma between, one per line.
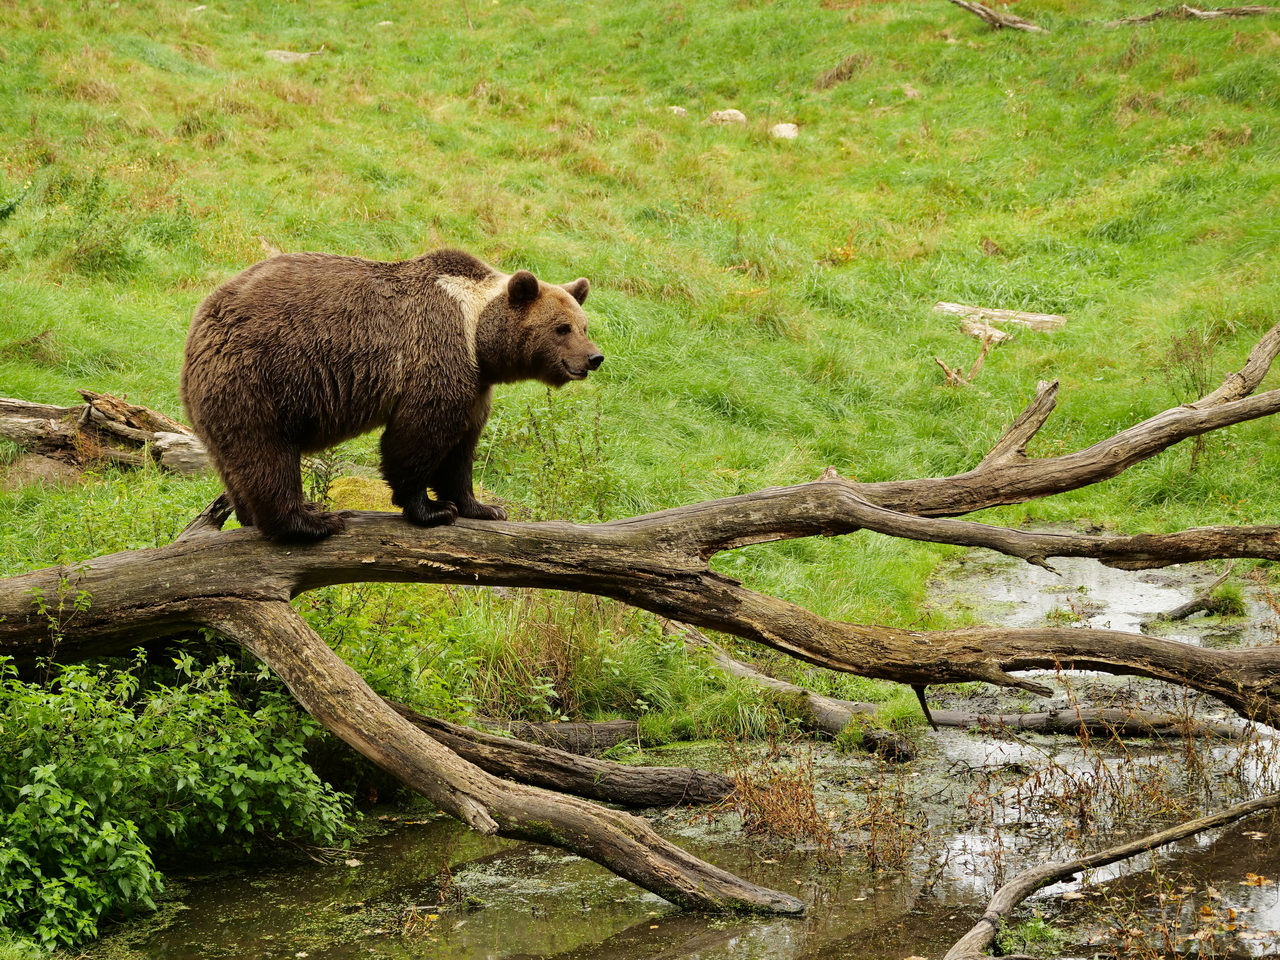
x=585, y=739
x=554, y=769
x=831, y=715
x=240, y=585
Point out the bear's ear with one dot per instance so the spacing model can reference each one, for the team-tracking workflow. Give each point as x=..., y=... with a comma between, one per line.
x=579, y=289
x=522, y=288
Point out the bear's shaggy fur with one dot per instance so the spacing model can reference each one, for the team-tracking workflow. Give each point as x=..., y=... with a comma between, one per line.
x=305, y=350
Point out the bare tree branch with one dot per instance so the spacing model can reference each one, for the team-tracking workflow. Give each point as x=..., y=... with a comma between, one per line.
x=998, y=20
x=240, y=585
x=973, y=945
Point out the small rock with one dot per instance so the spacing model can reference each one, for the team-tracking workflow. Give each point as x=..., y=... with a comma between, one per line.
x=383, y=23
x=727, y=116
x=679, y=111
x=784, y=131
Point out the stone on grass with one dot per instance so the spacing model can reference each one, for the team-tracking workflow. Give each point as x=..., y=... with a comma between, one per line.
x=784, y=131
x=679, y=111
x=727, y=116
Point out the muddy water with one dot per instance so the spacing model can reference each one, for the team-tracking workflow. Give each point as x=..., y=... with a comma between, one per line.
x=432, y=888
x=978, y=808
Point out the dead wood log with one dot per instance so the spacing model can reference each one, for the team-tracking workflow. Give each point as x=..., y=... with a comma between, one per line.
x=336, y=696
x=585, y=739
x=998, y=20
x=1185, y=12
x=1032, y=321
x=555, y=769
x=832, y=715
x=973, y=945
x=1094, y=721
x=1204, y=601
x=103, y=428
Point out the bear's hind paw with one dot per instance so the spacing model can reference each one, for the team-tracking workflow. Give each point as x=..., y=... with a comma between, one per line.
x=305, y=526
x=482, y=511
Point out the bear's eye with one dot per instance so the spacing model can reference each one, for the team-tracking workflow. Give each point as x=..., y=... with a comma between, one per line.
x=563, y=329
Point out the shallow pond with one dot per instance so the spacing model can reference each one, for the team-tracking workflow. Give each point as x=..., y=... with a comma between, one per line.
x=971, y=812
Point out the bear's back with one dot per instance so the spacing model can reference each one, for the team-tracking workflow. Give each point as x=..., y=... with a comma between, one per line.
x=329, y=344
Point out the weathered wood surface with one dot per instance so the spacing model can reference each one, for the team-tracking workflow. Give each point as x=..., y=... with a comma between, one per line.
x=1185, y=12
x=1032, y=321
x=339, y=698
x=585, y=739
x=1095, y=722
x=556, y=769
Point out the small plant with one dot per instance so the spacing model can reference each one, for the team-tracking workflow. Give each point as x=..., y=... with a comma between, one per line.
x=1189, y=372
x=891, y=832
x=1035, y=936
x=1063, y=616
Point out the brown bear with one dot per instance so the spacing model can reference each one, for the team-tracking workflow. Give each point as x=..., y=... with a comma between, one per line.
x=305, y=350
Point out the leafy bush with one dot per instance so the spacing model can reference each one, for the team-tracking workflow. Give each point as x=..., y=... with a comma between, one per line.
x=97, y=770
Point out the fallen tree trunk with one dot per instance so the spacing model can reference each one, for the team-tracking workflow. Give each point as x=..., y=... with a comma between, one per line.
x=831, y=715
x=1094, y=722
x=555, y=769
x=239, y=585
x=586, y=739
x=103, y=428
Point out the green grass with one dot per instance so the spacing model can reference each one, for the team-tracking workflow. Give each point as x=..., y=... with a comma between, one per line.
x=764, y=305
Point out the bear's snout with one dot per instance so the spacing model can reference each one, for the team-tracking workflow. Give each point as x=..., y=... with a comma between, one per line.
x=594, y=361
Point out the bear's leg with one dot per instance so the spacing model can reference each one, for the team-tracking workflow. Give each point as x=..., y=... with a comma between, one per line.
x=407, y=463
x=271, y=494
x=452, y=480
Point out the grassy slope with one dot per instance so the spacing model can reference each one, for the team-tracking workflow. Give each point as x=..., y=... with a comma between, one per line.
x=765, y=305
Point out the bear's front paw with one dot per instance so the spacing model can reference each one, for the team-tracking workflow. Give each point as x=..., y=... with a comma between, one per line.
x=431, y=513
x=476, y=510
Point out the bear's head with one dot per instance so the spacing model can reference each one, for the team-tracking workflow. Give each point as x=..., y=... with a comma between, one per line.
x=548, y=331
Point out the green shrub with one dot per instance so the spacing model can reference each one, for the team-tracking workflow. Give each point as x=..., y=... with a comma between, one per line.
x=98, y=770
